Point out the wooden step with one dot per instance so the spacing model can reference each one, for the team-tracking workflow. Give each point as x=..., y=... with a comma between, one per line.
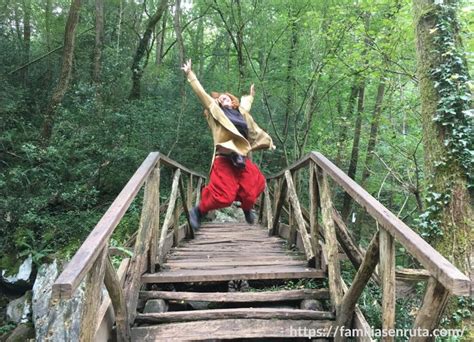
x=228, y=264
x=238, y=297
x=246, y=313
x=240, y=273
x=231, y=329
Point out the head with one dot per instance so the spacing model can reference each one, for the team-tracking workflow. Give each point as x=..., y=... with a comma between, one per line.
x=226, y=100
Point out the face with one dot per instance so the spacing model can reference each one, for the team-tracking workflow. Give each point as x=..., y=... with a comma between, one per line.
x=225, y=101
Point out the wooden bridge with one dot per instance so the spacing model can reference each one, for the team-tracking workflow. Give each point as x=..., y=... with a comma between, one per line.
x=173, y=266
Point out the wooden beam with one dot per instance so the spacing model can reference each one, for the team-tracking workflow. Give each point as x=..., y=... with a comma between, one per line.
x=185, y=201
x=429, y=316
x=169, y=214
x=138, y=262
x=86, y=255
x=198, y=191
x=278, y=208
x=268, y=209
x=91, y=303
x=308, y=248
x=156, y=225
x=387, y=272
x=313, y=214
x=334, y=267
x=349, y=301
x=439, y=267
x=114, y=288
x=238, y=297
x=246, y=313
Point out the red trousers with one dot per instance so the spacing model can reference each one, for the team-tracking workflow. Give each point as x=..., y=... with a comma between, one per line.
x=228, y=184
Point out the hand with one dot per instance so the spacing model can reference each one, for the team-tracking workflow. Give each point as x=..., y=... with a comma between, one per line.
x=252, y=90
x=186, y=67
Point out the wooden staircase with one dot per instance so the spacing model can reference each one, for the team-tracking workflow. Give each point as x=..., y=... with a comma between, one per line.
x=166, y=254
x=222, y=252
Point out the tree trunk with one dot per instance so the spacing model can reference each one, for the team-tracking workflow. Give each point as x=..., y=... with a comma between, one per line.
x=343, y=132
x=142, y=49
x=346, y=207
x=179, y=40
x=445, y=166
x=47, y=21
x=160, y=40
x=99, y=42
x=26, y=38
x=65, y=74
x=374, y=126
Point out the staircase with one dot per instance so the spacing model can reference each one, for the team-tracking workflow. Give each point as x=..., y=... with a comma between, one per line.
x=235, y=252
x=172, y=268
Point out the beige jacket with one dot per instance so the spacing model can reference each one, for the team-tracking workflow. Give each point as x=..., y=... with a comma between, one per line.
x=225, y=134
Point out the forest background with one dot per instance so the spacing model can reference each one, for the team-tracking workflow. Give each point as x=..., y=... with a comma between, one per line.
x=89, y=88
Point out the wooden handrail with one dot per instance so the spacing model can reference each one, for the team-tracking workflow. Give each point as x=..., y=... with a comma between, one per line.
x=438, y=266
x=82, y=261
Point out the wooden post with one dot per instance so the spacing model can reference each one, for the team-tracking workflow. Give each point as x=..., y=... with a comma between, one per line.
x=361, y=278
x=387, y=273
x=268, y=209
x=276, y=191
x=185, y=201
x=334, y=268
x=169, y=214
x=138, y=263
x=92, y=295
x=176, y=223
x=313, y=214
x=261, y=208
x=114, y=287
x=278, y=208
x=198, y=191
x=308, y=249
x=434, y=302
x=189, y=195
x=156, y=225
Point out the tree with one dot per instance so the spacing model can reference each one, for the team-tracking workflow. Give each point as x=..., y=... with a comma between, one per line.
x=65, y=74
x=447, y=133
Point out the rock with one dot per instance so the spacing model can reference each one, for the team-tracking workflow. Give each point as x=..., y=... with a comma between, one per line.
x=21, y=333
x=198, y=305
x=155, y=305
x=58, y=321
x=311, y=304
x=19, y=310
x=22, y=280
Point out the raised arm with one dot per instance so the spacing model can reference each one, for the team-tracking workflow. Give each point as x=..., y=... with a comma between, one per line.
x=246, y=100
x=204, y=97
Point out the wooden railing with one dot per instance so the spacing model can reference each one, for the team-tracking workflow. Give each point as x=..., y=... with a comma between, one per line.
x=93, y=258
x=281, y=194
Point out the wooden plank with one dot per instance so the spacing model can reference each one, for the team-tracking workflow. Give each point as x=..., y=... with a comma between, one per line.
x=238, y=297
x=429, y=315
x=278, y=208
x=268, y=210
x=184, y=202
x=308, y=248
x=242, y=273
x=438, y=266
x=361, y=278
x=313, y=214
x=114, y=288
x=90, y=309
x=106, y=302
x=138, y=262
x=86, y=255
x=246, y=313
x=189, y=194
x=176, y=223
x=155, y=234
x=229, y=329
x=198, y=191
x=334, y=271
x=169, y=214
x=387, y=273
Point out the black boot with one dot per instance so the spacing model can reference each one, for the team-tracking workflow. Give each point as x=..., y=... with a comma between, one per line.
x=249, y=216
x=195, y=217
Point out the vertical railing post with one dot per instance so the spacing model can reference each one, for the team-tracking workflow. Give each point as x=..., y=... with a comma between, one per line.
x=198, y=191
x=268, y=209
x=387, y=271
x=156, y=224
x=334, y=268
x=313, y=214
x=92, y=297
x=138, y=263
